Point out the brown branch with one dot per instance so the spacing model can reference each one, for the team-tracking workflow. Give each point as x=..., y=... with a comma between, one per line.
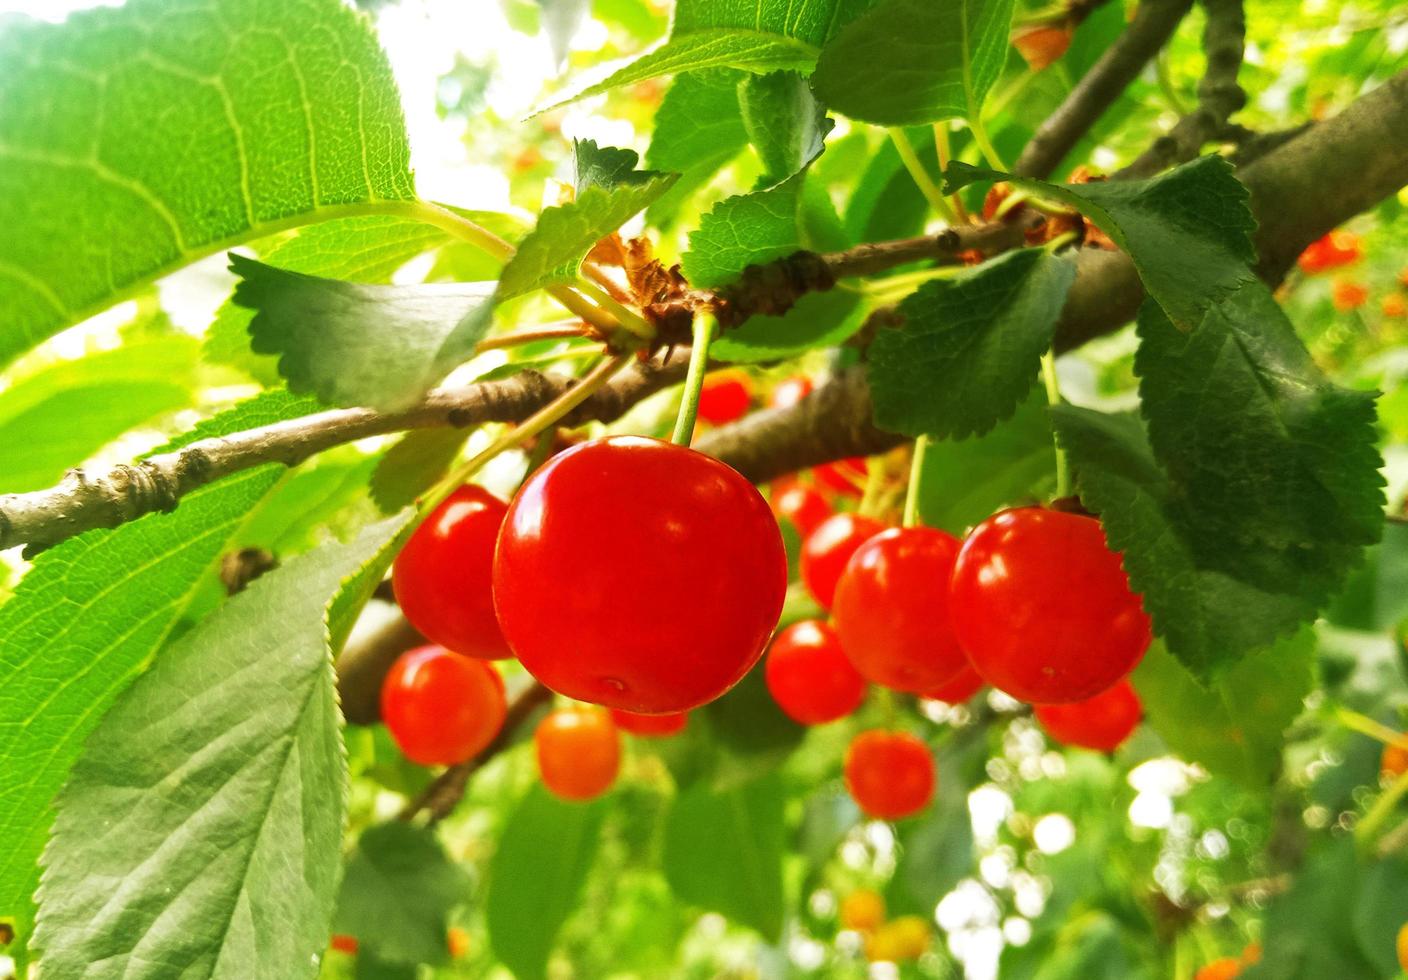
x=440, y=798
x=1219, y=95
x=1153, y=25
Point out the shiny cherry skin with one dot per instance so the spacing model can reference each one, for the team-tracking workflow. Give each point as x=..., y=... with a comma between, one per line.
x=725, y=397
x=891, y=609
x=790, y=391
x=1101, y=723
x=890, y=775
x=1043, y=607
x=440, y=707
x=845, y=476
x=804, y=506
x=442, y=577
x=958, y=690
x=579, y=752
x=650, y=726
x=829, y=547
x=809, y=676
x=639, y=575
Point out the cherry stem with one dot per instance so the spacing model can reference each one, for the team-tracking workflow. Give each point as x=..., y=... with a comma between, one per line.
x=704, y=327
x=1053, y=397
x=941, y=147
x=922, y=180
x=629, y=320
x=1367, y=828
x=1365, y=725
x=916, y=476
x=562, y=331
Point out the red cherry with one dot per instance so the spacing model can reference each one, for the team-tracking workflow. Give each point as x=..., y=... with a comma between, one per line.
x=1043, y=608
x=639, y=575
x=725, y=398
x=650, y=726
x=1101, y=723
x=440, y=707
x=442, y=576
x=809, y=676
x=891, y=609
x=958, y=690
x=1330, y=251
x=802, y=505
x=579, y=752
x=790, y=392
x=845, y=476
x=890, y=775
x=829, y=547
x=343, y=943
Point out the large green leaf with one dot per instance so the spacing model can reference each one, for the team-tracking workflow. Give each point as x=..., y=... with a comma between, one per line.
x=816, y=320
x=785, y=123
x=136, y=139
x=359, y=344
x=543, y=857
x=910, y=62
x=936, y=848
x=214, y=793
x=1188, y=231
x=970, y=346
x=744, y=823
x=1231, y=727
x=698, y=128
x=59, y=416
x=743, y=230
x=85, y=621
x=397, y=893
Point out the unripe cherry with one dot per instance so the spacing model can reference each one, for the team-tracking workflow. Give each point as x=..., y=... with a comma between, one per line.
x=440, y=707
x=442, y=577
x=862, y=910
x=1043, y=608
x=1101, y=723
x=650, y=726
x=829, y=547
x=809, y=675
x=890, y=775
x=891, y=609
x=579, y=752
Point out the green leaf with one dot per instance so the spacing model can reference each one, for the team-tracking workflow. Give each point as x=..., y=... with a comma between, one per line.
x=547, y=848
x=1233, y=726
x=911, y=62
x=214, y=792
x=1376, y=596
x=60, y=416
x=744, y=823
x=415, y=464
x=1188, y=231
x=137, y=139
x=553, y=251
x=364, y=249
x=355, y=344
x=936, y=848
x=970, y=346
x=605, y=166
x=964, y=482
x=85, y=621
x=698, y=129
x=740, y=231
x=746, y=720
x=784, y=122
x=397, y=892
x=817, y=320
x=1380, y=909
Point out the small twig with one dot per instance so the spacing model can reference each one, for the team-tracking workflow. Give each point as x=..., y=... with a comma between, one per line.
x=566, y=330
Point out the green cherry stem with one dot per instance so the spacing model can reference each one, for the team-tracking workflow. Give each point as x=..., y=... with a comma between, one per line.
x=979, y=129
x=1053, y=397
x=916, y=475
x=1366, y=830
x=1365, y=725
x=704, y=327
x=922, y=180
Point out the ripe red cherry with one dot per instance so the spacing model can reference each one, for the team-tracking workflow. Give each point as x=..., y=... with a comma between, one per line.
x=725, y=397
x=809, y=676
x=845, y=476
x=1330, y=251
x=804, y=506
x=1101, y=723
x=579, y=752
x=829, y=547
x=890, y=775
x=650, y=726
x=891, y=609
x=639, y=575
x=442, y=576
x=1043, y=608
x=790, y=392
x=958, y=690
x=440, y=707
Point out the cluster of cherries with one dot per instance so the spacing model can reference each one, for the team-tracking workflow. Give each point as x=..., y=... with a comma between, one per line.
x=644, y=579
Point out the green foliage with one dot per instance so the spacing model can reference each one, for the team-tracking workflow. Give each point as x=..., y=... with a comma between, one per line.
x=818, y=320
x=415, y=464
x=698, y=128
x=258, y=129
x=741, y=231
x=236, y=869
x=969, y=347
x=910, y=62
x=784, y=122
